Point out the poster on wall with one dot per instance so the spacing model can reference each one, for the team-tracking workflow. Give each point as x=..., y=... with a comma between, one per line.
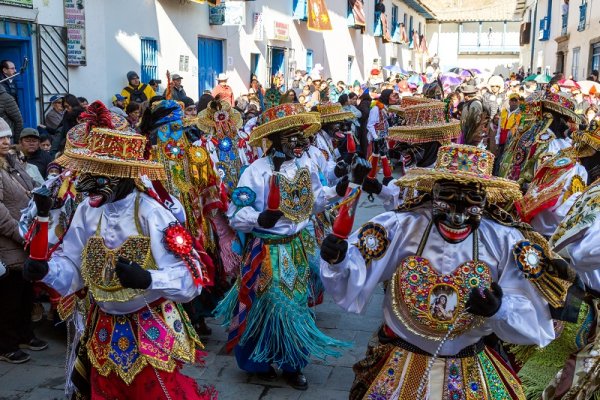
x=227, y=14
x=75, y=24
x=18, y=3
x=258, y=27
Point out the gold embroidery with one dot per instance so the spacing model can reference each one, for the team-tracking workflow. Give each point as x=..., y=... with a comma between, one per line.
x=297, y=198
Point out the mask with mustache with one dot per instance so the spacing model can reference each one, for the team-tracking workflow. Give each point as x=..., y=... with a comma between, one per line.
x=293, y=144
x=104, y=189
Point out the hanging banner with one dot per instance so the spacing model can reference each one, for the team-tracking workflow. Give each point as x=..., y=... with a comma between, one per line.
x=18, y=3
x=358, y=11
x=75, y=24
x=318, y=16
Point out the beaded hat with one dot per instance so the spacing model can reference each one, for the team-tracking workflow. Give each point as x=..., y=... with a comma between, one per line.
x=333, y=112
x=561, y=104
x=112, y=153
x=283, y=117
x=590, y=136
x=425, y=121
x=219, y=118
x=463, y=164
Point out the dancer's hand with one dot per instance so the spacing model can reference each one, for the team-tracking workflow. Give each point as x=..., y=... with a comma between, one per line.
x=485, y=303
x=268, y=218
x=34, y=270
x=333, y=249
x=132, y=275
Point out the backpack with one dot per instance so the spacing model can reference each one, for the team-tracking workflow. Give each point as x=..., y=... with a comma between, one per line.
x=138, y=94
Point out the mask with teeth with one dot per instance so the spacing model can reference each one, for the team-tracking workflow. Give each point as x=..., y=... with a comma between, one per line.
x=102, y=189
x=292, y=143
x=457, y=209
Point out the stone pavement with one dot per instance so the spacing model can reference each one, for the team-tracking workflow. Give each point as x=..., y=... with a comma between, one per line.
x=43, y=376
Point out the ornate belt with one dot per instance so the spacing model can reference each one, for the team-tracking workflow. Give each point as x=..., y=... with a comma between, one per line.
x=278, y=240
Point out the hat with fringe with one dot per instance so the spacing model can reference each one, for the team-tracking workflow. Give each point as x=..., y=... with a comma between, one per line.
x=333, y=112
x=424, y=121
x=112, y=153
x=561, y=104
x=463, y=164
x=284, y=117
x=590, y=136
x=219, y=119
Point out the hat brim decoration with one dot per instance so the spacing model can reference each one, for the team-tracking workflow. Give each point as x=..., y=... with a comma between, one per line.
x=284, y=117
x=589, y=137
x=466, y=165
x=112, y=153
x=223, y=117
x=425, y=122
x=331, y=113
x=561, y=105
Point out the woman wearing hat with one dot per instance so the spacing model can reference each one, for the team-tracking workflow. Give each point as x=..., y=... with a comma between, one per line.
x=441, y=250
x=267, y=310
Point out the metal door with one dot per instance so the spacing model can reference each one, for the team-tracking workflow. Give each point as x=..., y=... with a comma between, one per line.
x=53, y=72
x=210, y=63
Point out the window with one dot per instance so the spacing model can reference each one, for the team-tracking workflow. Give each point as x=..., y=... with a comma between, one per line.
x=149, y=67
x=595, y=57
x=395, y=30
x=544, y=29
x=575, y=65
x=410, y=32
x=254, y=60
x=350, y=64
x=419, y=29
x=309, y=60
x=299, y=9
x=582, y=15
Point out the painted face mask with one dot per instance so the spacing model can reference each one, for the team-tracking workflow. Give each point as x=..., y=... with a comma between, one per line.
x=292, y=144
x=103, y=189
x=457, y=209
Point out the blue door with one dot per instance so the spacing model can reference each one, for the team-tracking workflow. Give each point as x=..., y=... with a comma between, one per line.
x=15, y=45
x=210, y=63
x=277, y=60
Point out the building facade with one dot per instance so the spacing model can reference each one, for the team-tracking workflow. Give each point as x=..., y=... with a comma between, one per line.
x=561, y=36
x=86, y=47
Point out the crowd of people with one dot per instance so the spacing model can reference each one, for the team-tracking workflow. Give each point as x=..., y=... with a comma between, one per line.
x=137, y=220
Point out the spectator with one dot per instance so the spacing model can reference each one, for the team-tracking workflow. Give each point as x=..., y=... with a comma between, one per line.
x=136, y=91
x=133, y=111
x=118, y=105
x=71, y=118
x=10, y=113
x=45, y=143
x=189, y=107
x=83, y=102
x=289, y=97
x=154, y=84
x=16, y=294
x=591, y=114
x=595, y=75
x=8, y=70
x=30, y=146
x=364, y=106
x=177, y=91
x=55, y=115
x=347, y=106
x=223, y=90
x=203, y=102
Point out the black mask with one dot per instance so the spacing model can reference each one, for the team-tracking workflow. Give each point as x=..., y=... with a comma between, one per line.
x=292, y=144
x=104, y=189
x=457, y=209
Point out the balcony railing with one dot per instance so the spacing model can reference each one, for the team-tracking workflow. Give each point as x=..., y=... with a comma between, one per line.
x=582, y=15
x=488, y=49
x=565, y=22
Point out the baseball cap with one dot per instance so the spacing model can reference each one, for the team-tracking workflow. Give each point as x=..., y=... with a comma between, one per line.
x=118, y=97
x=176, y=76
x=29, y=132
x=55, y=98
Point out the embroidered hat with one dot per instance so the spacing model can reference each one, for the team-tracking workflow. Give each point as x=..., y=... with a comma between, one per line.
x=590, y=136
x=463, y=164
x=284, y=117
x=219, y=119
x=561, y=104
x=425, y=121
x=333, y=112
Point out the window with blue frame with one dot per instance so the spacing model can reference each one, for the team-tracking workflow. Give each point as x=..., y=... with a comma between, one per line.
x=149, y=67
x=300, y=10
x=379, y=9
x=582, y=15
x=309, y=60
x=544, y=29
x=410, y=32
x=395, y=24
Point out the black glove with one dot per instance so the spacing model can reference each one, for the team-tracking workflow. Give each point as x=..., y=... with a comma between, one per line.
x=372, y=186
x=43, y=201
x=342, y=186
x=132, y=275
x=360, y=170
x=341, y=169
x=486, y=304
x=560, y=268
x=268, y=218
x=387, y=180
x=34, y=270
x=333, y=249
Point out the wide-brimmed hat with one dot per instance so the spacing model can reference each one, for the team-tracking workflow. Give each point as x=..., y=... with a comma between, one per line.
x=560, y=104
x=220, y=119
x=112, y=153
x=424, y=121
x=283, y=117
x=333, y=112
x=590, y=136
x=463, y=164
x=222, y=77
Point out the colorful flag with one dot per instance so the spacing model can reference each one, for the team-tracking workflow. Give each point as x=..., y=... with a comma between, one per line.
x=318, y=17
x=358, y=11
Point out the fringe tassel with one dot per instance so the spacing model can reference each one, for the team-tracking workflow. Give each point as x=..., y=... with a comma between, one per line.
x=75, y=327
x=226, y=306
x=230, y=260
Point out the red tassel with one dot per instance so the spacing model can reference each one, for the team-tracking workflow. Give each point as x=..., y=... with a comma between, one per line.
x=350, y=143
x=374, y=166
x=387, y=169
x=274, y=195
x=342, y=226
x=38, y=246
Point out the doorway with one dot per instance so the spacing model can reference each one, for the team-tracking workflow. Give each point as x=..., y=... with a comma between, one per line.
x=210, y=63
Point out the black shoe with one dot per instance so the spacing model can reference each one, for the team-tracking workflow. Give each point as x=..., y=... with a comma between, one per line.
x=34, y=344
x=270, y=375
x=297, y=380
x=202, y=329
x=15, y=357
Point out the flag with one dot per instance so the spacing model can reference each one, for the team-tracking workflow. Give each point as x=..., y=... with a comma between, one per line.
x=358, y=10
x=318, y=17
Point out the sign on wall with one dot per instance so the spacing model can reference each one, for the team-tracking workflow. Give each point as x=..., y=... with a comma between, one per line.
x=75, y=24
x=258, y=27
x=18, y=3
x=281, y=31
x=230, y=13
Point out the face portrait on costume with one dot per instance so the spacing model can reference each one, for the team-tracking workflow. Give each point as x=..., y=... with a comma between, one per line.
x=457, y=209
x=292, y=143
x=103, y=189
